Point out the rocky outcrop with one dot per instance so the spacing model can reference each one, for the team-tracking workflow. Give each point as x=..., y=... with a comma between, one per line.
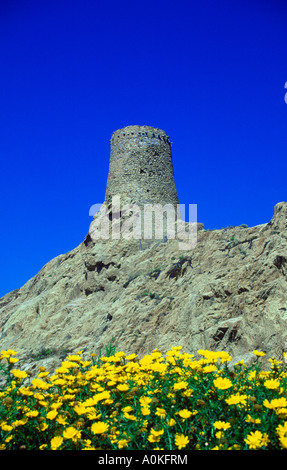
x=228, y=293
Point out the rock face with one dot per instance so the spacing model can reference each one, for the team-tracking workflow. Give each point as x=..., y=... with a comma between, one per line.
x=228, y=293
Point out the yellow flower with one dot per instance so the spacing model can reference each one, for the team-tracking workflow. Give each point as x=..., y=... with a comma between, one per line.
x=283, y=442
x=180, y=385
x=55, y=406
x=61, y=420
x=25, y=391
x=161, y=413
x=181, y=440
x=122, y=443
x=56, y=442
x=155, y=435
x=145, y=410
x=122, y=387
x=171, y=422
x=73, y=358
x=92, y=413
x=38, y=383
x=80, y=409
x=145, y=400
x=99, y=428
x=43, y=374
x=6, y=427
x=43, y=446
x=59, y=382
x=52, y=414
x=282, y=429
x=224, y=356
x=219, y=435
x=209, y=368
x=131, y=357
x=19, y=374
x=258, y=353
x=13, y=360
x=43, y=426
x=131, y=417
x=222, y=383
x=127, y=409
x=71, y=433
x=185, y=413
x=7, y=353
x=249, y=419
x=275, y=403
x=236, y=399
x=272, y=384
x=254, y=440
x=32, y=413
x=281, y=412
x=221, y=425
x=19, y=422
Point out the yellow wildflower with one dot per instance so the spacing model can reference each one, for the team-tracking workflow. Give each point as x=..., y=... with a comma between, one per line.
x=122, y=443
x=56, y=442
x=283, y=441
x=249, y=419
x=92, y=413
x=181, y=440
x=42, y=427
x=19, y=422
x=38, y=383
x=61, y=420
x=99, y=428
x=6, y=427
x=155, y=435
x=145, y=410
x=7, y=353
x=222, y=383
x=185, y=414
x=254, y=440
x=236, y=399
x=131, y=417
x=275, y=403
x=209, y=368
x=161, y=413
x=13, y=360
x=19, y=374
x=122, y=387
x=180, y=385
x=127, y=409
x=80, y=409
x=25, y=391
x=272, y=384
x=131, y=357
x=258, y=353
x=52, y=414
x=145, y=400
x=222, y=425
x=71, y=433
x=32, y=413
x=282, y=429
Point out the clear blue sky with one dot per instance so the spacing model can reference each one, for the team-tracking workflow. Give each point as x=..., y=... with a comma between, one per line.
x=211, y=73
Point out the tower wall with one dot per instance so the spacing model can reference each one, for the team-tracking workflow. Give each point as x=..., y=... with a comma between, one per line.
x=141, y=166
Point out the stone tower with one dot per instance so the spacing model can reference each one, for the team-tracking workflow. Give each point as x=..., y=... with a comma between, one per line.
x=141, y=167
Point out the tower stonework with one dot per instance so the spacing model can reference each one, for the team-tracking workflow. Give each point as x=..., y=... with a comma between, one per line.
x=141, y=167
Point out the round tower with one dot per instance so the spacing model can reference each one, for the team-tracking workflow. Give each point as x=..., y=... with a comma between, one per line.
x=141, y=167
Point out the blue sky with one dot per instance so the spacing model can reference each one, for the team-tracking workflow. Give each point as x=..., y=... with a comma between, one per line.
x=211, y=73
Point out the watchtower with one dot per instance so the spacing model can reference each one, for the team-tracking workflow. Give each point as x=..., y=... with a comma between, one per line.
x=141, y=167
